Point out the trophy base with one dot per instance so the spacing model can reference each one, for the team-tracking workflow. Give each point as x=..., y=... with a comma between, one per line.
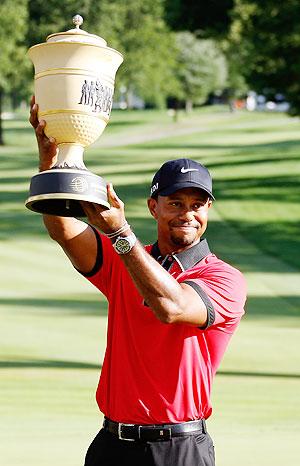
x=60, y=192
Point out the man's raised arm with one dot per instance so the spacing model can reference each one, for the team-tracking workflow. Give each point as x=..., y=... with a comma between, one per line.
x=75, y=237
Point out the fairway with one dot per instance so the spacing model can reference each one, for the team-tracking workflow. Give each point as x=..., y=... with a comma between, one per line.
x=53, y=323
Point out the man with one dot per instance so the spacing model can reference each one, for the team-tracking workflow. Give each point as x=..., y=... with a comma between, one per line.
x=173, y=307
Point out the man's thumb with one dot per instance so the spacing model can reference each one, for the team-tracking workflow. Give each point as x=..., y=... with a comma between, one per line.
x=112, y=196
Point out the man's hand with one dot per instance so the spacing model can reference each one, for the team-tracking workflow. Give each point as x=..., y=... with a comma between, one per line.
x=47, y=146
x=106, y=220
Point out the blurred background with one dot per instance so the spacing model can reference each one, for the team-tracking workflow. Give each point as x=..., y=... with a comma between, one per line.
x=217, y=81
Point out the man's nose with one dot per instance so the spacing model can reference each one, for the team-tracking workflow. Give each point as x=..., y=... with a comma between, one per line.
x=186, y=214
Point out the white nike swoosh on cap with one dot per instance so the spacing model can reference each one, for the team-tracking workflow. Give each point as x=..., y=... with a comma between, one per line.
x=186, y=170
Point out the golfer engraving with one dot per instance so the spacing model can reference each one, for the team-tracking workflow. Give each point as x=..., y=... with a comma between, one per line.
x=97, y=96
x=84, y=93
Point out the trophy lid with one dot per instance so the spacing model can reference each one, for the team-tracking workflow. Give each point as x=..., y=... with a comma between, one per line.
x=77, y=35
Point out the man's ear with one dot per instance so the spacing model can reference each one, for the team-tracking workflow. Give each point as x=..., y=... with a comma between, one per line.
x=152, y=206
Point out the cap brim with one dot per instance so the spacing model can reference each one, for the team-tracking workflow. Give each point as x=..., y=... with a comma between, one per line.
x=175, y=187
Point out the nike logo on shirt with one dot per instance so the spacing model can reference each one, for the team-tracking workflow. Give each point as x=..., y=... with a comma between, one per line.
x=186, y=170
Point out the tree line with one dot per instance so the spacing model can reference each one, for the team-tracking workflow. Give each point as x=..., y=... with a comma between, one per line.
x=179, y=51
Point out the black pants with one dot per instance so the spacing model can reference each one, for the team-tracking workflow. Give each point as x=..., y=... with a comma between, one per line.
x=188, y=450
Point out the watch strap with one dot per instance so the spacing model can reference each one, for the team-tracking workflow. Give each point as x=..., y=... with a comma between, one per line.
x=124, y=244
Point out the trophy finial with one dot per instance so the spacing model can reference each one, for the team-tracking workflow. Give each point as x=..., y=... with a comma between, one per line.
x=77, y=20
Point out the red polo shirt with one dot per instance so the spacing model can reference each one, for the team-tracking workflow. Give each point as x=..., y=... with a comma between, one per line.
x=156, y=373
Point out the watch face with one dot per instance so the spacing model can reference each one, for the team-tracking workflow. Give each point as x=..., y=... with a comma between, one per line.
x=122, y=246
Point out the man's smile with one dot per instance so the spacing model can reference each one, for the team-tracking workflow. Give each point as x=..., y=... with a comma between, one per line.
x=185, y=227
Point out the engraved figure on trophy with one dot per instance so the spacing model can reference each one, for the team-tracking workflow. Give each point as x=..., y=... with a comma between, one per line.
x=67, y=64
x=108, y=95
x=92, y=91
x=84, y=93
x=99, y=96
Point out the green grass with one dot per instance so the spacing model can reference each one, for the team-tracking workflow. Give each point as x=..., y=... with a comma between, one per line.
x=53, y=323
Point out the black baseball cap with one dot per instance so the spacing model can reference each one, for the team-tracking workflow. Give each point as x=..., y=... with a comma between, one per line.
x=179, y=174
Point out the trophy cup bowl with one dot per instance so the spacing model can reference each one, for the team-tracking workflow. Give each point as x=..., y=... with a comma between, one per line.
x=74, y=86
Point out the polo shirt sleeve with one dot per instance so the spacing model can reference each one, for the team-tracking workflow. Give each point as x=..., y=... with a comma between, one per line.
x=223, y=290
x=100, y=275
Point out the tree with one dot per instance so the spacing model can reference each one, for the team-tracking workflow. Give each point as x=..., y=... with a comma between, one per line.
x=236, y=86
x=209, y=18
x=201, y=68
x=13, y=62
x=51, y=16
x=136, y=28
x=267, y=34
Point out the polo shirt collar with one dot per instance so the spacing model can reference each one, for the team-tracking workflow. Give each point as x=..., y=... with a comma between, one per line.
x=188, y=258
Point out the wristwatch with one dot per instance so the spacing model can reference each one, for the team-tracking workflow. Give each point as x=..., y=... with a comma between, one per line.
x=124, y=244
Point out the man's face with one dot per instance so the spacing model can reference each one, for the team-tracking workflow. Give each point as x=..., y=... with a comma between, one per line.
x=181, y=218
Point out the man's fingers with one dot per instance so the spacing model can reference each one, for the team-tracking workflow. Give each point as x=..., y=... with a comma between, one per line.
x=87, y=206
x=33, y=119
x=40, y=132
x=113, y=199
x=91, y=209
x=40, y=128
x=94, y=214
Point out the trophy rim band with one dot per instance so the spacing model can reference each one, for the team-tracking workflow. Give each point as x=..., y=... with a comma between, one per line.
x=43, y=44
x=68, y=111
x=60, y=181
x=66, y=196
x=73, y=71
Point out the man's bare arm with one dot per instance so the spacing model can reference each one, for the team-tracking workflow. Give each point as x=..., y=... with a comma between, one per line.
x=172, y=302
x=75, y=237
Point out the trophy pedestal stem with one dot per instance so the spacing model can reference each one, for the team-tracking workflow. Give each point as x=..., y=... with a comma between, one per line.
x=70, y=155
x=59, y=191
